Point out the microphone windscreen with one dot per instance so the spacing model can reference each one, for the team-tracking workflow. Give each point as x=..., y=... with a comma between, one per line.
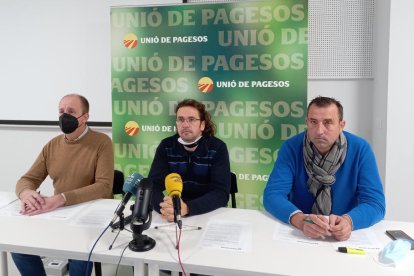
x=131, y=183
x=174, y=184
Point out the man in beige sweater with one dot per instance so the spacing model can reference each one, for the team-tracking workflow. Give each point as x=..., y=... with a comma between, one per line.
x=81, y=164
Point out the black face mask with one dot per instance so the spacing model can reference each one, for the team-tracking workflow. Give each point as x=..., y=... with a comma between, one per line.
x=68, y=123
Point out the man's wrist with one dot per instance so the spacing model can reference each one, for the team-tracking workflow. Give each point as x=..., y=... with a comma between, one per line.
x=297, y=220
x=349, y=220
x=62, y=199
x=22, y=192
x=184, y=209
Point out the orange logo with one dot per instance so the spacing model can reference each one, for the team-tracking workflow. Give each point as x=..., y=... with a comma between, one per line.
x=130, y=41
x=205, y=84
x=131, y=128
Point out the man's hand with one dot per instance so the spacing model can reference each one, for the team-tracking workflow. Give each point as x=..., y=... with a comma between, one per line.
x=167, y=209
x=341, y=227
x=30, y=201
x=318, y=226
x=315, y=226
x=49, y=204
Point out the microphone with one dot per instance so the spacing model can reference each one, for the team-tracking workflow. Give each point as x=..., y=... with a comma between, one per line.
x=143, y=204
x=130, y=188
x=174, y=187
x=141, y=218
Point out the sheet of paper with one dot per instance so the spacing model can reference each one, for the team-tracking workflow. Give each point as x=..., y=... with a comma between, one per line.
x=227, y=235
x=84, y=214
x=62, y=213
x=96, y=215
x=364, y=238
x=289, y=233
x=12, y=209
x=6, y=199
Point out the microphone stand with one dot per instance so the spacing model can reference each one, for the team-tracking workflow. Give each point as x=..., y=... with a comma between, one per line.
x=177, y=218
x=121, y=227
x=182, y=227
x=176, y=235
x=140, y=242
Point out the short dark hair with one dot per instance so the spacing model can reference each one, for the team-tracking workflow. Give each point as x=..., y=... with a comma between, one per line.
x=326, y=101
x=210, y=127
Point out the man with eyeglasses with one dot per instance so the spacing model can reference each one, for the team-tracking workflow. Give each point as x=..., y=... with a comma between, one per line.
x=80, y=163
x=199, y=157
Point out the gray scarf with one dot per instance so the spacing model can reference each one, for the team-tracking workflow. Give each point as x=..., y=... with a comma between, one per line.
x=321, y=172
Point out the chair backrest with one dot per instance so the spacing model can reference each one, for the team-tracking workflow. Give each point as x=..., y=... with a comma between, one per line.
x=233, y=189
x=118, y=183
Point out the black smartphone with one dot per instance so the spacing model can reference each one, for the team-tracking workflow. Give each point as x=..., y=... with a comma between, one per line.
x=399, y=234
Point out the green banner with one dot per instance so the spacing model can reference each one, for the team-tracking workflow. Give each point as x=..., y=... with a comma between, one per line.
x=246, y=61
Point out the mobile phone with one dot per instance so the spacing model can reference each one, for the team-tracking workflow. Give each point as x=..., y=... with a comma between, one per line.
x=399, y=234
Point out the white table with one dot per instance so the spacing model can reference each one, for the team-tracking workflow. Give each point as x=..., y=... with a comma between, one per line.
x=5, y=199
x=268, y=256
x=61, y=239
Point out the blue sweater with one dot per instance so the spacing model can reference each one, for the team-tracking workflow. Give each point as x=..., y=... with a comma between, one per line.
x=357, y=190
x=205, y=173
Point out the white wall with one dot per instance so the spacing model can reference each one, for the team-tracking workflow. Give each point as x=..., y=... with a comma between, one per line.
x=356, y=98
x=50, y=48
x=380, y=90
x=400, y=130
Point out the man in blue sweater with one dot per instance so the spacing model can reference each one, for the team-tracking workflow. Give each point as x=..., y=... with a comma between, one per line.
x=201, y=159
x=325, y=181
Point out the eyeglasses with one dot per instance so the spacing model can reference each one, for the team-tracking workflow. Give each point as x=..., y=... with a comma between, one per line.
x=190, y=120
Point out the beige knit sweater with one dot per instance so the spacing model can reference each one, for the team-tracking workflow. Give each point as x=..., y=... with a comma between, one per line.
x=82, y=170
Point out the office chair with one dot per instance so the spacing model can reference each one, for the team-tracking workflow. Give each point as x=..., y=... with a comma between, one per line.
x=116, y=190
x=233, y=189
x=118, y=183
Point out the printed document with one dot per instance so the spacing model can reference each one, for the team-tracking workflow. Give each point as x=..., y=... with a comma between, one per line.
x=228, y=235
x=364, y=238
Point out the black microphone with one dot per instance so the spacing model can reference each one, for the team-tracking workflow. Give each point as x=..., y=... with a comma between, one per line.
x=143, y=201
x=130, y=188
x=174, y=187
x=141, y=217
